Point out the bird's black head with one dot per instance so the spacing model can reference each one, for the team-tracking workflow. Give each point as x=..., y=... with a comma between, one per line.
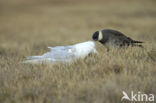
x=95, y=36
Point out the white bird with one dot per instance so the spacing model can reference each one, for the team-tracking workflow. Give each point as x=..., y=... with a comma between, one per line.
x=64, y=53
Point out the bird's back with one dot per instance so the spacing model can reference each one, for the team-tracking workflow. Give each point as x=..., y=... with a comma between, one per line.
x=117, y=39
x=113, y=33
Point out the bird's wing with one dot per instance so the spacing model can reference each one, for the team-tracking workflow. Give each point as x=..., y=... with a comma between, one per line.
x=125, y=39
x=58, y=48
x=114, y=32
x=59, y=53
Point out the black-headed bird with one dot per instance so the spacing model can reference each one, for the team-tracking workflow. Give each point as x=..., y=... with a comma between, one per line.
x=114, y=38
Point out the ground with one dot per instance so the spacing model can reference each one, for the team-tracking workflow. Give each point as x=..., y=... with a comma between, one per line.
x=29, y=27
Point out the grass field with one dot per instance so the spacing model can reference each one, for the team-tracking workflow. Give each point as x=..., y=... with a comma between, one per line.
x=29, y=27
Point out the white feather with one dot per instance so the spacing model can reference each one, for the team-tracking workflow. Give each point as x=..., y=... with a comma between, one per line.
x=64, y=53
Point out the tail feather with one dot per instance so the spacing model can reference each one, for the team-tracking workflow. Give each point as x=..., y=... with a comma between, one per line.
x=140, y=46
x=134, y=41
x=133, y=45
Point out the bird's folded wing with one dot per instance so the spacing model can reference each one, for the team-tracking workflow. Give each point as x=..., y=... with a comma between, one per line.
x=59, y=53
x=59, y=48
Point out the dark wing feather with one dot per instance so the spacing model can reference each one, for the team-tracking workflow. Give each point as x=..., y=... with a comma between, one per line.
x=115, y=32
x=126, y=41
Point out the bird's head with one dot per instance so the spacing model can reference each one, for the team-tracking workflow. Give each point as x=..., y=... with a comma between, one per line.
x=97, y=36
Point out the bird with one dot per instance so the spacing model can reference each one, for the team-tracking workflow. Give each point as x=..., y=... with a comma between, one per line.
x=64, y=54
x=114, y=39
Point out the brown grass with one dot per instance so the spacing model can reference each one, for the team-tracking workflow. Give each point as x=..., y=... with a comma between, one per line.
x=28, y=28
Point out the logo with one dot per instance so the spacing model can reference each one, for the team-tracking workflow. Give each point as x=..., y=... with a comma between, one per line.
x=137, y=97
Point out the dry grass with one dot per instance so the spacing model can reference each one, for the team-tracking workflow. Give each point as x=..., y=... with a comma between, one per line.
x=27, y=28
